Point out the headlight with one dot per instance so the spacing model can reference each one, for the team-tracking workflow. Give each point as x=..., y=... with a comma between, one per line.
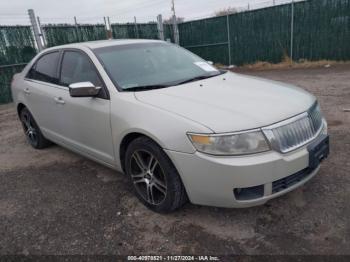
x=233, y=144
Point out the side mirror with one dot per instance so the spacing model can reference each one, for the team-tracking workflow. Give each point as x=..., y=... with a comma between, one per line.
x=210, y=62
x=83, y=89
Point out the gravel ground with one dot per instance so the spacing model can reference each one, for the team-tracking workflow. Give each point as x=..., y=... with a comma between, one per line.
x=56, y=202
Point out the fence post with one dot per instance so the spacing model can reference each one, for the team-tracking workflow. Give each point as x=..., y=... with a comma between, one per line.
x=110, y=35
x=35, y=29
x=160, y=27
x=292, y=31
x=175, y=28
x=106, y=27
x=76, y=28
x=228, y=38
x=176, y=31
x=136, y=30
x=42, y=34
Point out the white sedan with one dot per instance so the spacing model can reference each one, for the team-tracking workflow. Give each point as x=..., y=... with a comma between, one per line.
x=177, y=126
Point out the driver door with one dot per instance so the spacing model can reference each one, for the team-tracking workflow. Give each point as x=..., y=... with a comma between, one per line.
x=85, y=121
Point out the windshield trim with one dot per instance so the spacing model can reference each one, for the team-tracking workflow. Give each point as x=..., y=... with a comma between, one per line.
x=163, y=86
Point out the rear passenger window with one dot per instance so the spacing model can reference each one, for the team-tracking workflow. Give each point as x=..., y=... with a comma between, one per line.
x=45, y=68
x=77, y=67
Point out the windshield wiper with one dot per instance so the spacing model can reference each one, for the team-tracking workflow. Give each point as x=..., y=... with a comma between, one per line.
x=197, y=78
x=144, y=88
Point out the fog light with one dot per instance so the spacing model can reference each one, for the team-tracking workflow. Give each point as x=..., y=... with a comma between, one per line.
x=249, y=193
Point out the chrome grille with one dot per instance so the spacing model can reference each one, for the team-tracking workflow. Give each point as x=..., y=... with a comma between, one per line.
x=295, y=132
x=315, y=117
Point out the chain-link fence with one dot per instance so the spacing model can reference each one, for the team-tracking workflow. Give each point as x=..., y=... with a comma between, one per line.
x=313, y=30
x=16, y=49
x=65, y=34
x=320, y=29
x=136, y=30
x=141, y=30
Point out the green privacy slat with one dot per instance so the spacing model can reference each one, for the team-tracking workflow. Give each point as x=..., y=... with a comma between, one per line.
x=16, y=47
x=326, y=33
x=207, y=38
x=168, y=32
x=65, y=34
x=321, y=31
x=16, y=44
x=131, y=31
x=6, y=75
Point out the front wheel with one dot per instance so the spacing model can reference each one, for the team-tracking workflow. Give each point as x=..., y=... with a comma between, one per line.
x=32, y=131
x=156, y=181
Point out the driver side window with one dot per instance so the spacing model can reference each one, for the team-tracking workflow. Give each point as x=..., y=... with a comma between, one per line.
x=77, y=67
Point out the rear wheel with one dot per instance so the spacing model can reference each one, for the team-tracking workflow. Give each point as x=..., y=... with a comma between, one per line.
x=32, y=131
x=156, y=181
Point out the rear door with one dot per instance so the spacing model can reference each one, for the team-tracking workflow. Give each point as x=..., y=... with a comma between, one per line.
x=85, y=121
x=40, y=90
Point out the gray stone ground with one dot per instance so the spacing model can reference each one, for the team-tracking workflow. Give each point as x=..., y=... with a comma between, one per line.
x=56, y=202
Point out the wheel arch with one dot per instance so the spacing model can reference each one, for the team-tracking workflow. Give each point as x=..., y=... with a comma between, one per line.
x=125, y=142
x=20, y=107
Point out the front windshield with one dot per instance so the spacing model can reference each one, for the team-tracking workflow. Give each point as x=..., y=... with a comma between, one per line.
x=152, y=64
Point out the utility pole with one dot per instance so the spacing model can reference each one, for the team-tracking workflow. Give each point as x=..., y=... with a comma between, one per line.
x=175, y=28
x=35, y=29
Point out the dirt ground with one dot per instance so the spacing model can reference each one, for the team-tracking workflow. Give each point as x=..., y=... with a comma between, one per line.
x=56, y=202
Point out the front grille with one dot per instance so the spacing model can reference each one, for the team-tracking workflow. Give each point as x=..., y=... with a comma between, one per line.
x=296, y=132
x=289, y=181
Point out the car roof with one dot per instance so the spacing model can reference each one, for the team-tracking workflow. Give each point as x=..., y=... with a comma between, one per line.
x=107, y=43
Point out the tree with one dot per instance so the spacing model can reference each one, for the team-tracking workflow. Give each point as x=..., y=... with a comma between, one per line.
x=226, y=11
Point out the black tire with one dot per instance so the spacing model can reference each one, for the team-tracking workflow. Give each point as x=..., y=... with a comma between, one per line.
x=32, y=131
x=161, y=172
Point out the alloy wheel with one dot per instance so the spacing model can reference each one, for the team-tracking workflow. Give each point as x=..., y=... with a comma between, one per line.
x=148, y=177
x=29, y=128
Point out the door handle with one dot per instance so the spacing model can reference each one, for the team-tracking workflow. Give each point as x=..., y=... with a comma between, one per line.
x=59, y=100
x=26, y=91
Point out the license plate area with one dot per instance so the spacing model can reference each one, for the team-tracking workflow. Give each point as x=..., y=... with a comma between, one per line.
x=318, y=151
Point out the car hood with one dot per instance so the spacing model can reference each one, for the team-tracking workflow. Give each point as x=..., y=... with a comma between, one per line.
x=231, y=102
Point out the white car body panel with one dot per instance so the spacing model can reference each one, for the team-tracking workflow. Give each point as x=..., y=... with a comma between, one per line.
x=227, y=103
x=231, y=102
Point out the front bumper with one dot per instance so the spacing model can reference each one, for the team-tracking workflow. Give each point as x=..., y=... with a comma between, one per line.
x=212, y=180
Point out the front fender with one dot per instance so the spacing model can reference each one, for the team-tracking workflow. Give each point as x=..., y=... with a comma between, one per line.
x=169, y=130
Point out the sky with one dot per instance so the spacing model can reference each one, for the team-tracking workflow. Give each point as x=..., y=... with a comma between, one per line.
x=92, y=11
